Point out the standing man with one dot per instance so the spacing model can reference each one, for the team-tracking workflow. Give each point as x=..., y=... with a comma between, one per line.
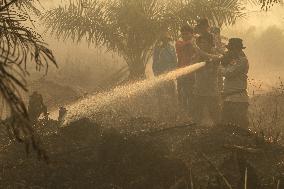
x=206, y=89
x=235, y=68
x=187, y=55
x=164, y=60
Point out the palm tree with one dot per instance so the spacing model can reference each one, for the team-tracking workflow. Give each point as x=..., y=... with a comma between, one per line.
x=19, y=46
x=131, y=27
x=128, y=27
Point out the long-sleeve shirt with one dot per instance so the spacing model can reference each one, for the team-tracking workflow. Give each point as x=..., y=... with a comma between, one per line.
x=186, y=53
x=164, y=59
x=235, y=83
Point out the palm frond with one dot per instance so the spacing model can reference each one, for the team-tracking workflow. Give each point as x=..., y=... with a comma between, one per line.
x=77, y=20
x=219, y=12
x=131, y=27
x=19, y=46
x=128, y=27
x=264, y=4
x=267, y=4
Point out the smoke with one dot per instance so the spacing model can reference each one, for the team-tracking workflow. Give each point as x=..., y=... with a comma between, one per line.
x=263, y=35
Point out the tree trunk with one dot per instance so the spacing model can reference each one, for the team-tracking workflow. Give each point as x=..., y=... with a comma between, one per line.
x=136, y=71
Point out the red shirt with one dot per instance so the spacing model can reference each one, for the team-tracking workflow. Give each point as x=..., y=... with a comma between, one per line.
x=186, y=53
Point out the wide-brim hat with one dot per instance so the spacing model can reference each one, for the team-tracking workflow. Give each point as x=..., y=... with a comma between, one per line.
x=235, y=43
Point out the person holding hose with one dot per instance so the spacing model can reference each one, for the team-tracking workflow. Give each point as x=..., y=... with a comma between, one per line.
x=235, y=68
x=206, y=88
x=189, y=53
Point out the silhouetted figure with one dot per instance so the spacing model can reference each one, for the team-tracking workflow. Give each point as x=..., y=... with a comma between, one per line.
x=235, y=68
x=62, y=114
x=36, y=107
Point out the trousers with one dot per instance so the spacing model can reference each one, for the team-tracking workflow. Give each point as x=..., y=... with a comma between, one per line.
x=185, y=86
x=211, y=103
x=235, y=113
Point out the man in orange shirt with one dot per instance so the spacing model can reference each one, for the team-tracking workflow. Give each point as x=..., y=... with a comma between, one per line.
x=187, y=55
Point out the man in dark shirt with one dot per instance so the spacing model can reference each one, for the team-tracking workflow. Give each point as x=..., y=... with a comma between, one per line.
x=235, y=68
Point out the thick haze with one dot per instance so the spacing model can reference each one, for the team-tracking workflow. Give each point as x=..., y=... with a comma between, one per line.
x=263, y=34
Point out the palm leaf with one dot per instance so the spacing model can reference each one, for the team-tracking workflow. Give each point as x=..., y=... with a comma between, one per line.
x=219, y=12
x=128, y=27
x=19, y=45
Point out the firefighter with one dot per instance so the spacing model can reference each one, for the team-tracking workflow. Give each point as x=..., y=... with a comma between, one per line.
x=235, y=68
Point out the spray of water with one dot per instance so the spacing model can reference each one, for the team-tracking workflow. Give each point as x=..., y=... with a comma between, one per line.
x=89, y=106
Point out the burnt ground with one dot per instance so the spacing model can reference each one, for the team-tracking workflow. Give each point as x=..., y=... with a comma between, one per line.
x=141, y=153
x=119, y=150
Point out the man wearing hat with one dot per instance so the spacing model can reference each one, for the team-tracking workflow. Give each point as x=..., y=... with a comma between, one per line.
x=235, y=68
x=206, y=89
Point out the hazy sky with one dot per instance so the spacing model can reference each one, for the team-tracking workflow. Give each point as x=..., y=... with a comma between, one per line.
x=254, y=16
x=261, y=19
